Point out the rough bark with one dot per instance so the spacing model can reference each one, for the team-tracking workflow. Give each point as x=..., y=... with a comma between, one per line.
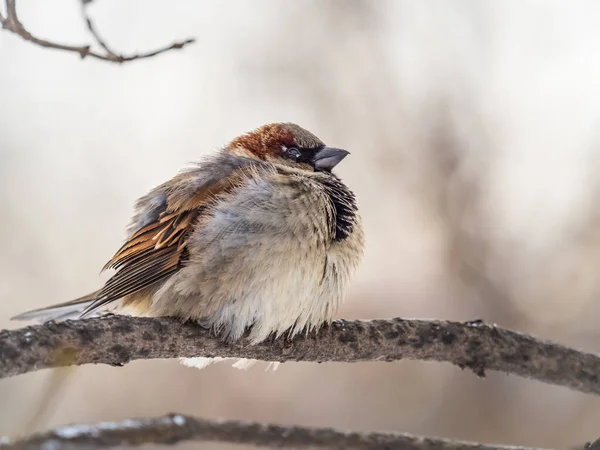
x=117, y=340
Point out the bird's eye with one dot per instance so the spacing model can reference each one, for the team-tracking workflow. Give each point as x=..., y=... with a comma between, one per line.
x=293, y=153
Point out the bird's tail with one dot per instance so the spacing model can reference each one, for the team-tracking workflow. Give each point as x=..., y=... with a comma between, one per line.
x=59, y=312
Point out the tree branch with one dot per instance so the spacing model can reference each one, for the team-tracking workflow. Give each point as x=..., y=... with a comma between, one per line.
x=116, y=340
x=12, y=23
x=175, y=428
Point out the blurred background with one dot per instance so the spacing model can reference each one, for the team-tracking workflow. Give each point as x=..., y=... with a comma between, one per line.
x=473, y=128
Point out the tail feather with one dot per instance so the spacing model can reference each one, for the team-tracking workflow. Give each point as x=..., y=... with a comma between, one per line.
x=59, y=312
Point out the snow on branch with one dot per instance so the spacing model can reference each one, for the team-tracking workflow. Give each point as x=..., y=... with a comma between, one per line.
x=176, y=428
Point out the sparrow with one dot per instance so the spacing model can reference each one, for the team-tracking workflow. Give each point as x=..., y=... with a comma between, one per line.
x=260, y=237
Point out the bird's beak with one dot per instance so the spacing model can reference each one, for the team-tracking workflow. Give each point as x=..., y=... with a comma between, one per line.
x=327, y=158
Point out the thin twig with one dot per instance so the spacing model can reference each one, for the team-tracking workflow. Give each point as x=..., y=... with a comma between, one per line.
x=11, y=9
x=117, y=340
x=176, y=428
x=95, y=34
x=12, y=23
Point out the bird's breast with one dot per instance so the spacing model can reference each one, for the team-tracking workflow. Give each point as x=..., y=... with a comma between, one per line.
x=276, y=255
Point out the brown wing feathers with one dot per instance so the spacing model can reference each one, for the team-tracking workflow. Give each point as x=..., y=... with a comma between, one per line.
x=152, y=253
x=158, y=249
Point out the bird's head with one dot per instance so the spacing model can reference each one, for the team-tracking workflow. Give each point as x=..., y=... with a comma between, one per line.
x=288, y=144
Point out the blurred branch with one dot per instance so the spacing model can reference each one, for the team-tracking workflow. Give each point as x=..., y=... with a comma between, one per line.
x=174, y=428
x=116, y=340
x=12, y=23
x=592, y=445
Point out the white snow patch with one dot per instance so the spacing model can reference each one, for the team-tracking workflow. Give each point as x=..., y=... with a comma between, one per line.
x=178, y=420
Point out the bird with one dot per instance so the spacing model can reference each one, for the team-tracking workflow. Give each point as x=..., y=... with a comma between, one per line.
x=260, y=237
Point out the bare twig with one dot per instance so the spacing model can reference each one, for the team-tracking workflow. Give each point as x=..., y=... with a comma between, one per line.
x=116, y=340
x=11, y=23
x=176, y=428
x=94, y=33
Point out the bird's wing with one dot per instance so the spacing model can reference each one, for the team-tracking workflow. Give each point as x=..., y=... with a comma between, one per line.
x=157, y=245
x=158, y=236
x=159, y=248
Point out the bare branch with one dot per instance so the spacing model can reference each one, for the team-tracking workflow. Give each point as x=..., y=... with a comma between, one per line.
x=116, y=340
x=12, y=23
x=11, y=10
x=94, y=32
x=175, y=428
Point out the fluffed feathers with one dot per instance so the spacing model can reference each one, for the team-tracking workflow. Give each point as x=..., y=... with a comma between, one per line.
x=260, y=236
